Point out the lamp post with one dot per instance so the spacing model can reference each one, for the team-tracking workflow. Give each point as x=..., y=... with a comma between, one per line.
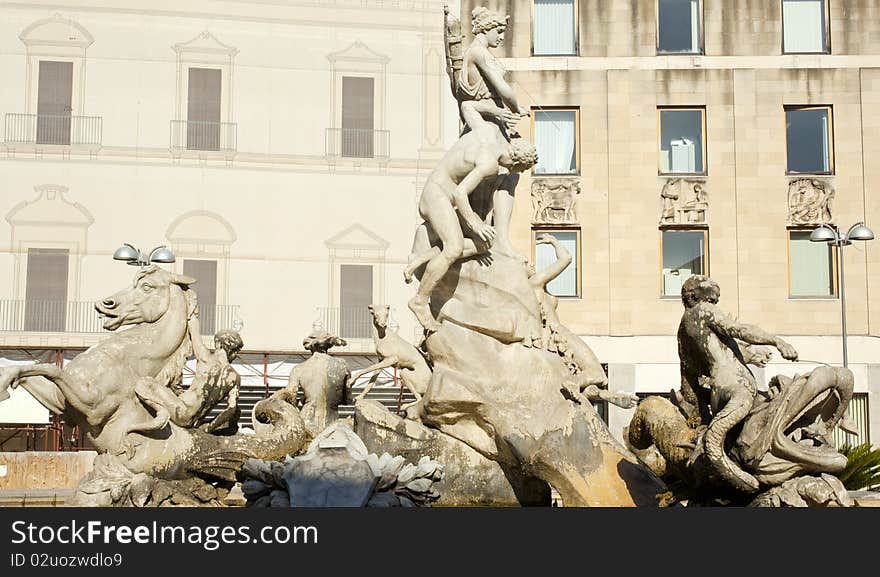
x=135, y=257
x=830, y=234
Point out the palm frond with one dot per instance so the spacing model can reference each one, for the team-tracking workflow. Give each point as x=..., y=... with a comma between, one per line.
x=862, y=468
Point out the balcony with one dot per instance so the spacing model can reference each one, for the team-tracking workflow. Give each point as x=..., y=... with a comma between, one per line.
x=81, y=317
x=356, y=143
x=347, y=322
x=204, y=136
x=213, y=318
x=52, y=129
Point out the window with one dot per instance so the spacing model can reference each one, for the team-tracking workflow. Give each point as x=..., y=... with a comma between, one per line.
x=804, y=28
x=684, y=255
x=554, y=28
x=809, y=139
x=678, y=27
x=811, y=266
x=357, y=116
x=203, y=109
x=556, y=140
x=682, y=145
x=54, y=102
x=205, y=272
x=46, y=290
x=568, y=282
x=355, y=295
x=858, y=412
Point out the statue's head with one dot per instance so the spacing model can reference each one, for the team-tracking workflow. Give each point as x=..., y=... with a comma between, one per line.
x=492, y=24
x=149, y=297
x=322, y=341
x=230, y=341
x=521, y=156
x=380, y=315
x=699, y=288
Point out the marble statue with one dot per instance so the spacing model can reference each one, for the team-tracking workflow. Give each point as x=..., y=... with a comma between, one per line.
x=215, y=381
x=324, y=381
x=338, y=471
x=588, y=378
x=778, y=436
x=477, y=156
x=477, y=77
x=98, y=390
x=502, y=365
x=394, y=351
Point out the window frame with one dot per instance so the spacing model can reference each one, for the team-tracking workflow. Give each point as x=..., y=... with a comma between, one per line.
x=576, y=258
x=831, y=164
x=577, y=138
x=678, y=228
x=835, y=281
x=705, y=146
x=701, y=44
x=575, y=24
x=826, y=15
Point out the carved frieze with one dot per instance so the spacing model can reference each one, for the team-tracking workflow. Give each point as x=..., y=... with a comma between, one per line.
x=684, y=202
x=554, y=200
x=809, y=202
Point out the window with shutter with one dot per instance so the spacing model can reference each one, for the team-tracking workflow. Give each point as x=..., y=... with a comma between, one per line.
x=203, y=109
x=54, y=99
x=355, y=295
x=46, y=290
x=357, y=116
x=205, y=273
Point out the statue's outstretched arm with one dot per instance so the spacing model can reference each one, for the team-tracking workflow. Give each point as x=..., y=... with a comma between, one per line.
x=563, y=259
x=752, y=334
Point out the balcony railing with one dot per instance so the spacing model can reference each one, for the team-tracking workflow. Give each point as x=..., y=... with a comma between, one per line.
x=199, y=135
x=81, y=317
x=53, y=129
x=213, y=318
x=357, y=143
x=49, y=316
x=347, y=322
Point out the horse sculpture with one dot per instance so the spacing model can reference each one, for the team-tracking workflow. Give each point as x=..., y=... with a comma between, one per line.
x=97, y=389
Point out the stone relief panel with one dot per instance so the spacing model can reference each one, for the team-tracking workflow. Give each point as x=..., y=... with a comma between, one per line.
x=809, y=202
x=684, y=202
x=554, y=200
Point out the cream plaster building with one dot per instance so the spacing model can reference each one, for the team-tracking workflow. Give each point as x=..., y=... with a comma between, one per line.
x=277, y=147
x=687, y=136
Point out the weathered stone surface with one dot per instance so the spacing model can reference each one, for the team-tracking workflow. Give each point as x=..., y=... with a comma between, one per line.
x=469, y=479
x=505, y=399
x=728, y=442
x=105, y=390
x=338, y=471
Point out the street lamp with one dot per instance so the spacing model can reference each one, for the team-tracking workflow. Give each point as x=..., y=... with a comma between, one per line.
x=829, y=233
x=135, y=257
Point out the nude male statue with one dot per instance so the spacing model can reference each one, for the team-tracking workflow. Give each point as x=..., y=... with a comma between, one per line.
x=714, y=366
x=475, y=158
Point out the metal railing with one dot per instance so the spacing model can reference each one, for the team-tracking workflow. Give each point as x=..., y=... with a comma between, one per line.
x=53, y=129
x=357, y=143
x=347, y=322
x=201, y=135
x=81, y=317
x=213, y=318
x=49, y=316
